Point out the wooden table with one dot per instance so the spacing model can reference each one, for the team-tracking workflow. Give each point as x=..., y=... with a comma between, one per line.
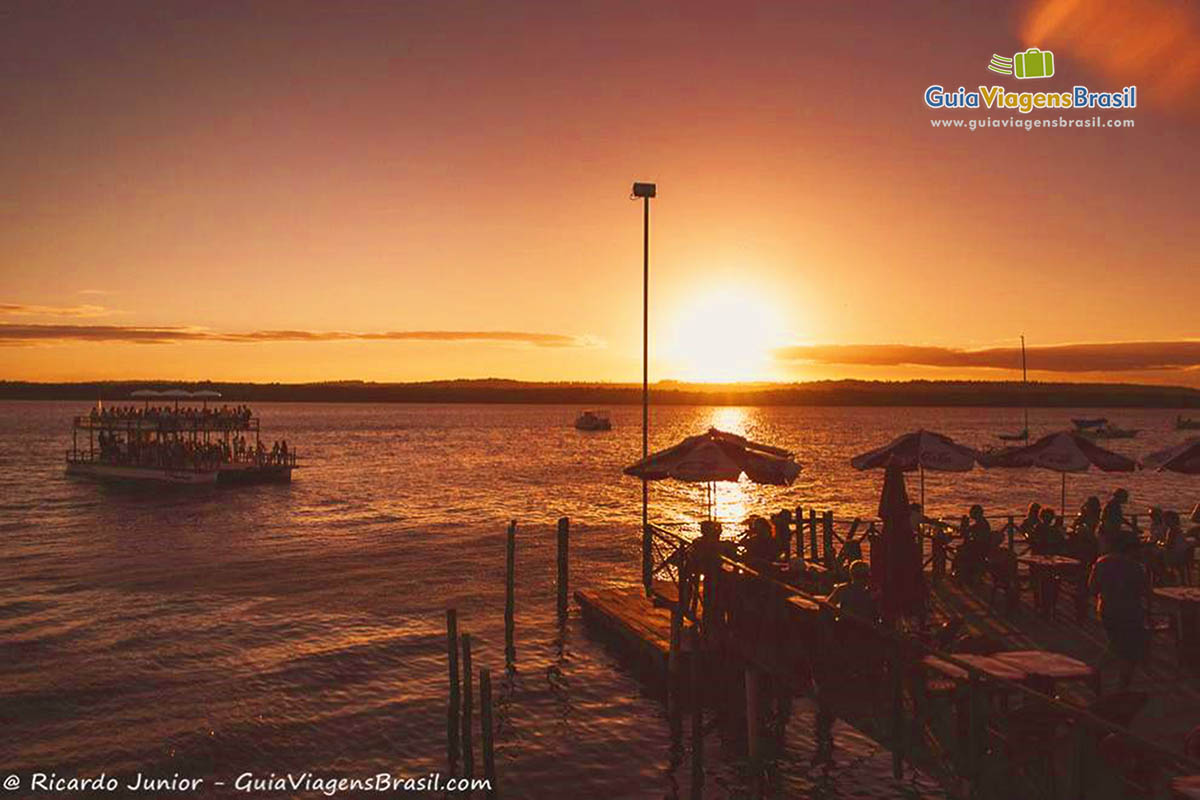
x=1045, y=668
x=988, y=665
x=1185, y=600
x=1046, y=572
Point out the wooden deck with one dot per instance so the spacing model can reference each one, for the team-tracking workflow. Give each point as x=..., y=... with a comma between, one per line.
x=626, y=614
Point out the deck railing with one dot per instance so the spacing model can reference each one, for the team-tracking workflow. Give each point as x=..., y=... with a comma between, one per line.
x=987, y=729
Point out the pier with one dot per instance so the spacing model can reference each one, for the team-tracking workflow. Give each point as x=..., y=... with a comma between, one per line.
x=1016, y=707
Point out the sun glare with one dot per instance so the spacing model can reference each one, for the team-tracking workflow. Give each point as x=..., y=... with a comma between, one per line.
x=725, y=334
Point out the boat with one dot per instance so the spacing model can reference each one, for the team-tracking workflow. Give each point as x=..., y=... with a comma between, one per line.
x=1023, y=436
x=1109, y=431
x=188, y=446
x=1088, y=424
x=1187, y=424
x=593, y=421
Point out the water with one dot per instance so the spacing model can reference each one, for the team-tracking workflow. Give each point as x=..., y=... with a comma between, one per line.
x=301, y=628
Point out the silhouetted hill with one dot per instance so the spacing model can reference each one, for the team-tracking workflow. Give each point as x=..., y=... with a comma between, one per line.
x=819, y=393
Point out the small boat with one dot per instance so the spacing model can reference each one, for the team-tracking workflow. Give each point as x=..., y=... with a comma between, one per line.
x=1023, y=436
x=1108, y=431
x=1187, y=424
x=593, y=421
x=193, y=445
x=1088, y=424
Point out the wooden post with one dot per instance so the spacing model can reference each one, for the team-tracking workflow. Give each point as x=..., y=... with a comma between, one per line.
x=468, y=747
x=697, y=700
x=485, y=724
x=897, y=714
x=510, y=568
x=674, y=659
x=937, y=548
x=1012, y=530
x=799, y=533
x=976, y=727
x=452, y=712
x=827, y=535
x=812, y=534
x=564, y=532
x=753, y=720
x=647, y=557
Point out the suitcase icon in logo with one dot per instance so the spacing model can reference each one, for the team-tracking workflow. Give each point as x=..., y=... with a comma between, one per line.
x=1033, y=63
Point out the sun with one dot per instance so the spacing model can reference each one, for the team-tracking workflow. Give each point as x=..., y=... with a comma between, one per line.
x=725, y=333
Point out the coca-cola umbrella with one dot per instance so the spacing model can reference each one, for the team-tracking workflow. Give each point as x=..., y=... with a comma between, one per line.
x=718, y=456
x=1063, y=452
x=896, y=568
x=919, y=450
x=1183, y=457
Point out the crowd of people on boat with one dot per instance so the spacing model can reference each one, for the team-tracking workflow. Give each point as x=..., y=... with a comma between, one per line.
x=223, y=417
x=188, y=453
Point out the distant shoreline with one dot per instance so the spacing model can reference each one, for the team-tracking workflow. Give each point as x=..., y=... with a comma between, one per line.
x=1000, y=394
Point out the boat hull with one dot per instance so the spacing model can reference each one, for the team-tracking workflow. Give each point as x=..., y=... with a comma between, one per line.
x=130, y=473
x=240, y=475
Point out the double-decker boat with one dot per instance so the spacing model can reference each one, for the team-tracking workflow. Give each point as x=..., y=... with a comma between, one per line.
x=178, y=445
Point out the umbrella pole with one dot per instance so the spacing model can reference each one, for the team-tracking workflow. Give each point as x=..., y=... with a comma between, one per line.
x=922, y=468
x=1064, y=495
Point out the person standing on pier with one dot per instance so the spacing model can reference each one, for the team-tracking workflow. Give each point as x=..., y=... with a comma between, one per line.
x=1120, y=583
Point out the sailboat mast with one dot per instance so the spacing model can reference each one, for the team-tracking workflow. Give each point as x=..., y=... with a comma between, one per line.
x=1025, y=387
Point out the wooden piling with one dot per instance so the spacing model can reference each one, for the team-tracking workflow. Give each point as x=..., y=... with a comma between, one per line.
x=827, y=535
x=452, y=712
x=753, y=721
x=1012, y=530
x=799, y=533
x=564, y=532
x=485, y=725
x=812, y=535
x=897, y=669
x=674, y=661
x=468, y=702
x=697, y=700
x=510, y=568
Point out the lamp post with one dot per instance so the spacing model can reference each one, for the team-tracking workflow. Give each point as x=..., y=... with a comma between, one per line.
x=646, y=191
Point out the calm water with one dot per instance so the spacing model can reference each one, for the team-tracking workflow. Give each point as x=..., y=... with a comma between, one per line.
x=293, y=628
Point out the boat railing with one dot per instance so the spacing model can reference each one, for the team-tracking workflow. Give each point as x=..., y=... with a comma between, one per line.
x=167, y=424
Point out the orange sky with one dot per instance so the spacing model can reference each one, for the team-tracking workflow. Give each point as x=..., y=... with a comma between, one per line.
x=437, y=190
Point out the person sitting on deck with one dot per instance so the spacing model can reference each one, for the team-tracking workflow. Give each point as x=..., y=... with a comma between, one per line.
x=1113, y=522
x=1177, y=550
x=1088, y=517
x=1158, y=526
x=782, y=523
x=1047, y=538
x=1032, y=518
x=1120, y=583
x=761, y=546
x=855, y=597
x=976, y=543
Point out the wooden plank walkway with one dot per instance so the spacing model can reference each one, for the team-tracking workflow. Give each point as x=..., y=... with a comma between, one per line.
x=627, y=614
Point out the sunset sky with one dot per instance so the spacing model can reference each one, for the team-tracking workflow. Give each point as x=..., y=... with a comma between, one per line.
x=415, y=190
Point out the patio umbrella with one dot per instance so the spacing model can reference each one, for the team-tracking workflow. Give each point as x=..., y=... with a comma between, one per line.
x=919, y=450
x=896, y=556
x=718, y=456
x=1062, y=452
x=1183, y=457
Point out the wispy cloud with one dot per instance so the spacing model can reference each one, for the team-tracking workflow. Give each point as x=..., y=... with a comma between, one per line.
x=1094, y=357
x=98, y=292
x=16, y=334
x=34, y=310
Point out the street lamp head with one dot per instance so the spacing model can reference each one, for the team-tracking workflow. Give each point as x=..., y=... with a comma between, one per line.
x=644, y=190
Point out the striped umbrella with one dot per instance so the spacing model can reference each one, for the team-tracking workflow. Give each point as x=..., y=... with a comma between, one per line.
x=919, y=450
x=1062, y=452
x=1183, y=457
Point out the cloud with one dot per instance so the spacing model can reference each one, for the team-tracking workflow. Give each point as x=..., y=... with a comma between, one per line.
x=33, y=310
x=17, y=334
x=1154, y=44
x=1098, y=357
